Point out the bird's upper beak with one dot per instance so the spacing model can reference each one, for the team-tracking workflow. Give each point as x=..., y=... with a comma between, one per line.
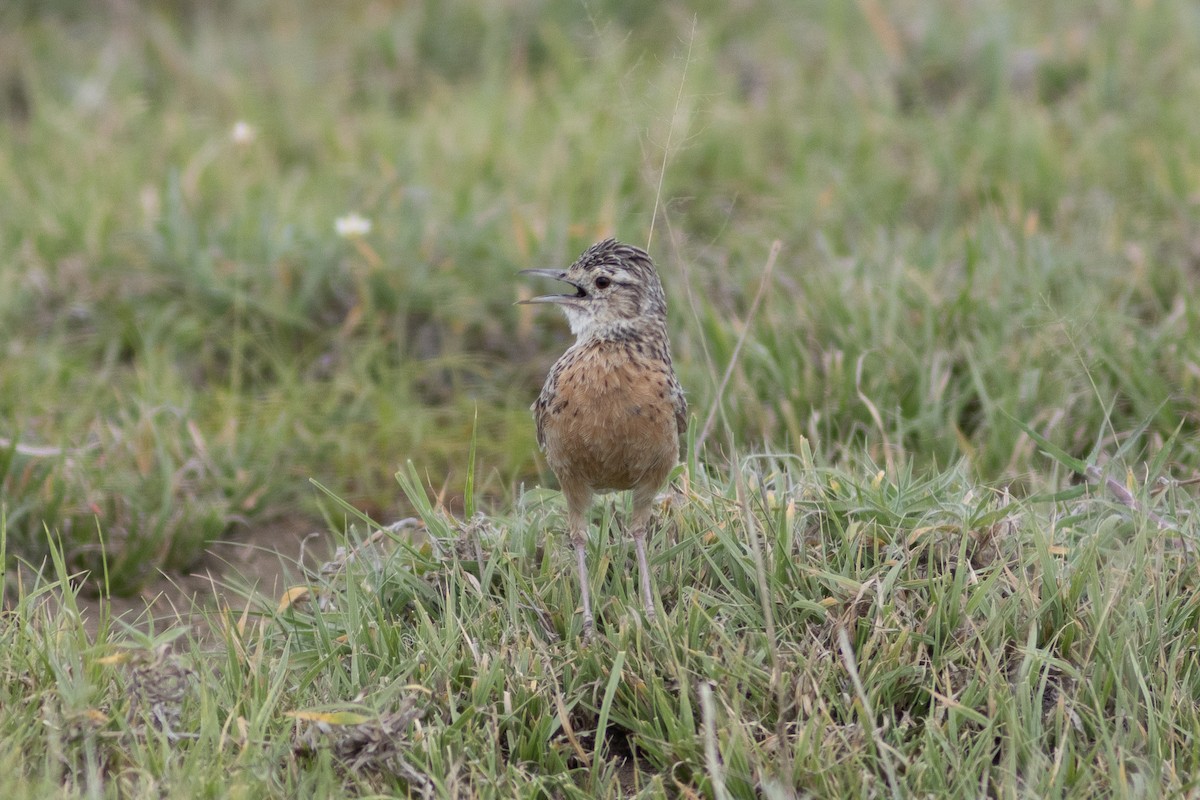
x=558, y=275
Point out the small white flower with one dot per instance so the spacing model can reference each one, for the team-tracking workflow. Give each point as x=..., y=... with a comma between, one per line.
x=243, y=132
x=151, y=204
x=352, y=225
x=90, y=95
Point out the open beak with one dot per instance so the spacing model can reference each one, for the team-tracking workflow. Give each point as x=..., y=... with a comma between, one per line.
x=558, y=275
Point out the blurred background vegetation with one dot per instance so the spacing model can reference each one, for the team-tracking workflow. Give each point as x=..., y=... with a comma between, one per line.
x=985, y=210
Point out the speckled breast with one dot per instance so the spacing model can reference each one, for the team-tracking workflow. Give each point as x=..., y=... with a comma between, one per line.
x=611, y=422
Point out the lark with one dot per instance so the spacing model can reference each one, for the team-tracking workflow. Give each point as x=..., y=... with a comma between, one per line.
x=611, y=415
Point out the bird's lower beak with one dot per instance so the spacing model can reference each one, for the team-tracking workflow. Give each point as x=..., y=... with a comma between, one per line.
x=558, y=275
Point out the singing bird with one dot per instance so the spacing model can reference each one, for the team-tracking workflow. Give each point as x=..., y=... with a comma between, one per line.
x=611, y=415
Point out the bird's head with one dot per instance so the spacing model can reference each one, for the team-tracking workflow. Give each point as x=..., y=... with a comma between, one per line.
x=614, y=291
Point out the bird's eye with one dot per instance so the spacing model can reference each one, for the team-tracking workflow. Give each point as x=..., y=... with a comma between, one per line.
x=602, y=282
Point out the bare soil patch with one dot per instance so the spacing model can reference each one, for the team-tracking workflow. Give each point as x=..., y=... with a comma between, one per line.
x=255, y=563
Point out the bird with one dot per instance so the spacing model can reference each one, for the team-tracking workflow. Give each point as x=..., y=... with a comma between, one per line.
x=611, y=415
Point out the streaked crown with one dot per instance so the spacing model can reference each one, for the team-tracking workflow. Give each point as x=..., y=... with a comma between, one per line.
x=617, y=293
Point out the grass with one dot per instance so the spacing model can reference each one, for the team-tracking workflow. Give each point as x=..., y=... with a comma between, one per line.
x=1021, y=648
x=889, y=570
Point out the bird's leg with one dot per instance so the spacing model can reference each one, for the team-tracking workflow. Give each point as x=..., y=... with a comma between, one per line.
x=589, y=625
x=577, y=523
x=639, y=526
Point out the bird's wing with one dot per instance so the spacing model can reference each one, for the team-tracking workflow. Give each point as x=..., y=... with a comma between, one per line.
x=681, y=415
x=540, y=408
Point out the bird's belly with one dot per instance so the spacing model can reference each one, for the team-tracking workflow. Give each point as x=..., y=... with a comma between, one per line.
x=613, y=438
